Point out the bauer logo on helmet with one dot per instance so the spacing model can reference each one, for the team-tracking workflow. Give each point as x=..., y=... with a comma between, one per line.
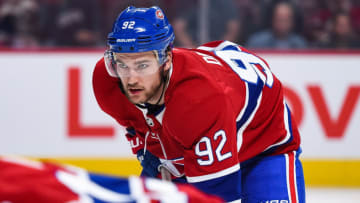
x=125, y=40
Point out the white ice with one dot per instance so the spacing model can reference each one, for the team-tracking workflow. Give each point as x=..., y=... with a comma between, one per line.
x=332, y=195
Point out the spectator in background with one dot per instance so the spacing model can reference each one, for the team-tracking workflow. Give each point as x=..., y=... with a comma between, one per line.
x=322, y=30
x=78, y=23
x=280, y=35
x=250, y=17
x=355, y=16
x=341, y=35
x=352, y=9
x=222, y=23
x=28, y=26
x=49, y=12
x=267, y=9
x=316, y=14
x=7, y=23
x=19, y=25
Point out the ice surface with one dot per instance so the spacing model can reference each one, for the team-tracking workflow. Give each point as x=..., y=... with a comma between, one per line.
x=332, y=195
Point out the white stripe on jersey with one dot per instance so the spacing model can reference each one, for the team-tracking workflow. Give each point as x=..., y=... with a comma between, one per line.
x=170, y=191
x=137, y=190
x=244, y=126
x=296, y=190
x=195, y=179
x=287, y=160
x=219, y=47
x=206, y=48
x=236, y=201
x=160, y=116
x=287, y=176
x=241, y=130
x=246, y=103
x=287, y=127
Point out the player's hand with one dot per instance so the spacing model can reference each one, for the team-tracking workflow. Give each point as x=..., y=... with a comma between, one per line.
x=136, y=141
x=149, y=162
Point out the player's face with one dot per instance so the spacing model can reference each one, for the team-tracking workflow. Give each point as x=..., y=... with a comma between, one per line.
x=140, y=76
x=283, y=20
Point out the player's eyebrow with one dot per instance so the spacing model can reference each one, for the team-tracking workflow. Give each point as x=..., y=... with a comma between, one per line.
x=119, y=61
x=136, y=63
x=142, y=61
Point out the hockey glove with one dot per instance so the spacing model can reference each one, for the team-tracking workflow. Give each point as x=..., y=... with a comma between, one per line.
x=149, y=162
x=136, y=141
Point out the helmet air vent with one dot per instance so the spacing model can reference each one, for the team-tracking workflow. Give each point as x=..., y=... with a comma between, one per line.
x=160, y=36
x=144, y=39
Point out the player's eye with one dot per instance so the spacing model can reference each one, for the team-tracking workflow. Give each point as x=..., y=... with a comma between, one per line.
x=142, y=66
x=122, y=66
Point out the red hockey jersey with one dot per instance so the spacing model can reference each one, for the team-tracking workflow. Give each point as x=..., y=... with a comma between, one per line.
x=223, y=106
x=27, y=181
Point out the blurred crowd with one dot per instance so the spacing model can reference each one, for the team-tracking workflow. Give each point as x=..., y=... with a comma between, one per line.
x=264, y=24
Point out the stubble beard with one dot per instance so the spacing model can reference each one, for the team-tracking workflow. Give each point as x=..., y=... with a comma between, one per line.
x=149, y=96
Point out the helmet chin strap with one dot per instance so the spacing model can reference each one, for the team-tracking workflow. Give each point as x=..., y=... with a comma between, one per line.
x=163, y=82
x=164, y=78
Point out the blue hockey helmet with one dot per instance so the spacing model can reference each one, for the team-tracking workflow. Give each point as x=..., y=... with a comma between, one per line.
x=140, y=30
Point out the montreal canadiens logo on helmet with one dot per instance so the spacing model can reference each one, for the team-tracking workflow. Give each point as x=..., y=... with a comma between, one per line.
x=159, y=14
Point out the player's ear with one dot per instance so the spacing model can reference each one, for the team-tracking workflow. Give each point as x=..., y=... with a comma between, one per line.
x=168, y=61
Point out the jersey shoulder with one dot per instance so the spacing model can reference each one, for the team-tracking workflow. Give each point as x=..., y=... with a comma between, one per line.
x=222, y=45
x=193, y=97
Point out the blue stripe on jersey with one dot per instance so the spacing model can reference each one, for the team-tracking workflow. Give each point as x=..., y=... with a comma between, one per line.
x=227, y=187
x=289, y=122
x=254, y=91
x=112, y=183
x=179, y=180
x=96, y=200
x=230, y=47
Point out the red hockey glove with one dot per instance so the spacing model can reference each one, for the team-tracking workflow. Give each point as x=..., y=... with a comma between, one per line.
x=136, y=141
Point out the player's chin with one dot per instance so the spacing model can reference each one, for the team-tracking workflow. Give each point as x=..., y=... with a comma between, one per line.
x=137, y=99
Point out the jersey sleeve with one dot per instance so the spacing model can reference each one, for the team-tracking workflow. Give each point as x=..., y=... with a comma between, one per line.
x=202, y=121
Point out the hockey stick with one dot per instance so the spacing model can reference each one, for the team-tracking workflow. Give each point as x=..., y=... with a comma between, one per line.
x=165, y=174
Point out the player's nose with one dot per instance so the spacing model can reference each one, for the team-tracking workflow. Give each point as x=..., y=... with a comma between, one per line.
x=132, y=73
x=132, y=79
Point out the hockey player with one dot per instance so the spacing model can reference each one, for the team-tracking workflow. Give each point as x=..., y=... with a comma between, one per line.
x=214, y=116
